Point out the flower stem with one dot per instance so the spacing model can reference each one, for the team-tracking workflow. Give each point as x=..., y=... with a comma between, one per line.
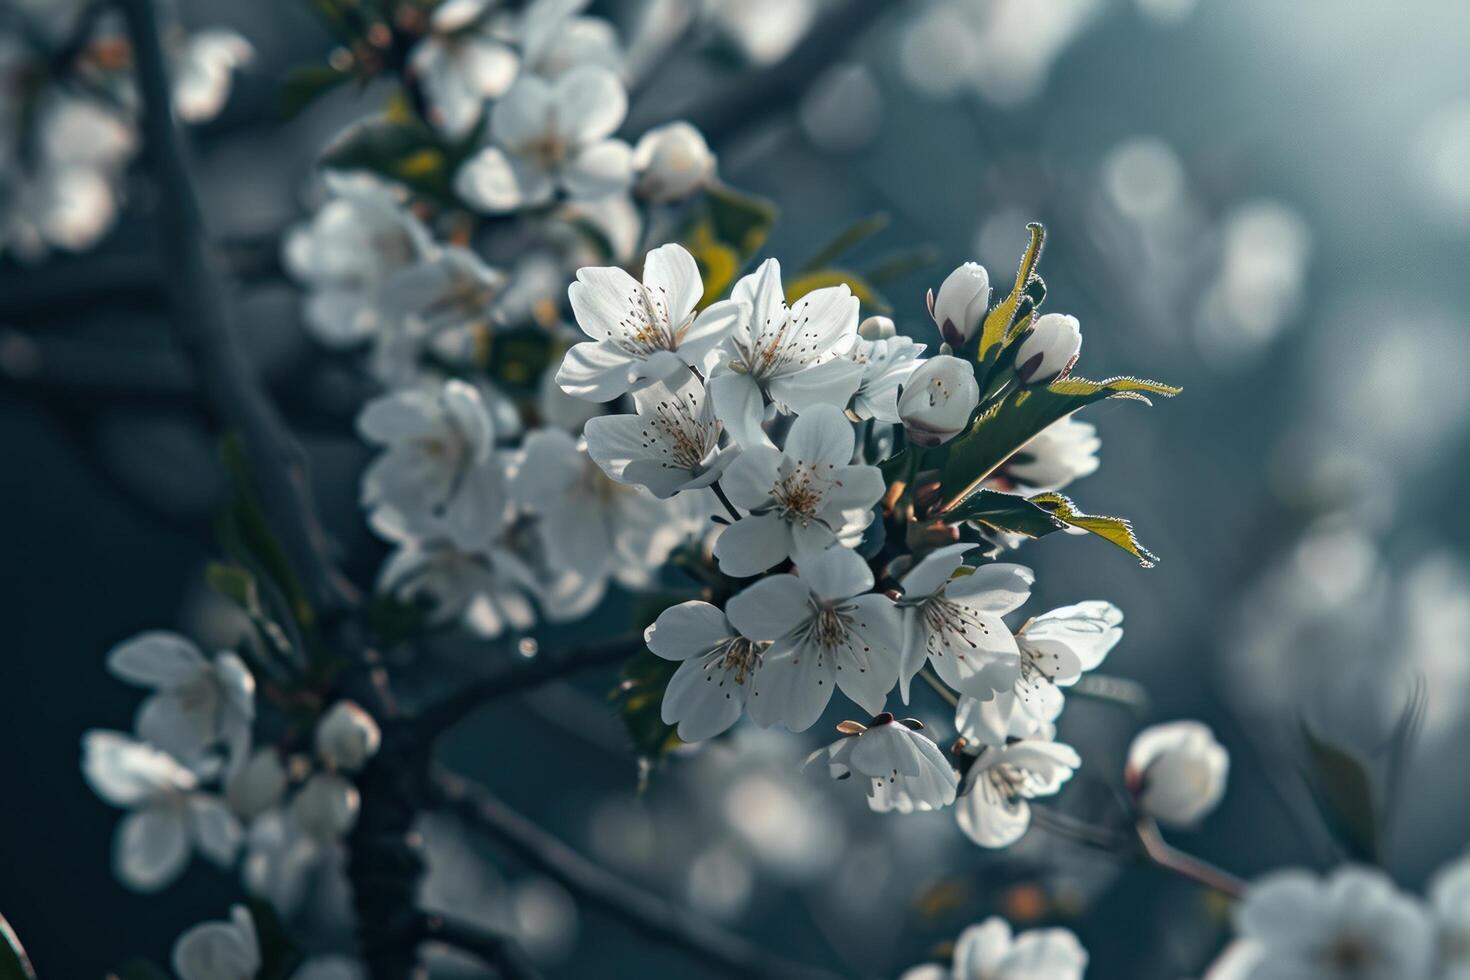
x=1163, y=854
x=939, y=686
x=719, y=492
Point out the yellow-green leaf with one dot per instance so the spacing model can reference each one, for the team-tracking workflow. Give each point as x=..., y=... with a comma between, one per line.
x=1114, y=530
x=823, y=278
x=998, y=322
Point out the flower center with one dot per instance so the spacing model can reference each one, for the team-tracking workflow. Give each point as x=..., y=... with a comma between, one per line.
x=676, y=432
x=736, y=656
x=1350, y=955
x=799, y=494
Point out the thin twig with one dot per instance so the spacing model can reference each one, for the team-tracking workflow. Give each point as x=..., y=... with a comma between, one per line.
x=1166, y=856
x=1070, y=827
x=544, y=667
x=202, y=325
x=720, y=493
x=493, y=949
x=656, y=918
x=940, y=688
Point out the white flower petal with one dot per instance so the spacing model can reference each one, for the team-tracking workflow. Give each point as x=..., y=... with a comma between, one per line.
x=771, y=608
x=821, y=435
x=672, y=277
x=595, y=371
x=157, y=659
x=590, y=104
x=495, y=182
x=836, y=573
x=703, y=702
x=753, y=544
x=792, y=687
x=831, y=383
x=600, y=170
x=741, y=406
x=687, y=630
x=936, y=568
x=151, y=847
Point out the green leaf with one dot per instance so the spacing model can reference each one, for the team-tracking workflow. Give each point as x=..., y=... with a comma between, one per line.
x=1000, y=322
x=901, y=264
x=306, y=84
x=235, y=584
x=846, y=240
x=822, y=278
x=1006, y=426
x=1345, y=791
x=728, y=228
x=248, y=538
x=1114, y=530
x=401, y=149
x=641, y=697
x=279, y=956
x=1005, y=512
x=14, y=963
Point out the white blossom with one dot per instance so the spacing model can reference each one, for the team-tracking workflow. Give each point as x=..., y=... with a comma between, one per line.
x=671, y=162
x=325, y=808
x=347, y=737
x=1048, y=350
x=1449, y=899
x=960, y=307
x=887, y=363
x=954, y=622
x=198, y=704
x=549, y=137
x=258, y=785
x=904, y=769
x=641, y=332
x=938, y=399
x=438, y=468
x=462, y=63
x=717, y=668
x=219, y=950
x=992, y=809
x=988, y=951
x=997, y=721
x=557, y=38
x=802, y=499
x=826, y=630
x=672, y=443
x=444, y=305
x=1352, y=925
x=203, y=69
x=1176, y=772
x=1058, y=647
x=794, y=357
x=169, y=818
x=1062, y=452
x=352, y=245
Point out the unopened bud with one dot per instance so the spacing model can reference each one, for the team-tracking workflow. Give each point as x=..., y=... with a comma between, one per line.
x=346, y=737
x=1176, y=772
x=938, y=399
x=1049, y=349
x=326, y=807
x=959, y=309
x=877, y=328
x=257, y=785
x=672, y=162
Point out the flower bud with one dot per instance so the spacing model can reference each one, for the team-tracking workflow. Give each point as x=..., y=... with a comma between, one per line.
x=938, y=399
x=960, y=306
x=1176, y=772
x=877, y=328
x=672, y=162
x=346, y=737
x=1049, y=349
x=326, y=807
x=257, y=785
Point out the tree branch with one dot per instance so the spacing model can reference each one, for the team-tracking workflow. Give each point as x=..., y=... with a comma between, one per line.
x=545, y=667
x=1160, y=852
x=493, y=949
x=202, y=324
x=656, y=918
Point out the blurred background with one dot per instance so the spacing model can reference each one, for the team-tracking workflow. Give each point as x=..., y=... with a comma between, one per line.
x=1266, y=203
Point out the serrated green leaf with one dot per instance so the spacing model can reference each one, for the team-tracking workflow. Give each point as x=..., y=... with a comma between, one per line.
x=14, y=963
x=846, y=240
x=823, y=278
x=1001, y=430
x=1005, y=512
x=1114, y=530
x=307, y=83
x=1343, y=787
x=1000, y=322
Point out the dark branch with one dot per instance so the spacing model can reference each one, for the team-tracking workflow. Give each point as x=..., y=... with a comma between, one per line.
x=202, y=325
x=653, y=917
x=748, y=101
x=493, y=949
x=547, y=666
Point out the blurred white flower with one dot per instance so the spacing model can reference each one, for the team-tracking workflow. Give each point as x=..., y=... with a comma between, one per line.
x=443, y=305
x=959, y=308
x=1057, y=647
x=802, y=499
x=170, y=816
x=347, y=737
x=672, y=443
x=361, y=236
x=842, y=111
x=765, y=31
x=672, y=162
x=219, y=950
x=709, y=691
x=887, y=363
x=904, y=769
x=988, y=951
x=462, y=63
x=826, y=630
x=641, y=332
x=199, y=704
x=955, y=623
x=438, y=469
x=550, y=137
x=282, y=863
x=938, y=399
x=330, y=967
x=1062, y=452
x=1352, y=925
x=258, y=785
x=325, y=808
x=793, y=356
x=992, y=809
x=556, y=38
x=1049, y=349
x=1176, y=772
x=1449, y=900
x=203, y=68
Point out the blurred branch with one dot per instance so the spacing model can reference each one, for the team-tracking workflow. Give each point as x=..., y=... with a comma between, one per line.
x=546, y=666
x=742, y=103
x=499, y=951
x=655, y=918
x=202, y=324
x=1166, y=856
